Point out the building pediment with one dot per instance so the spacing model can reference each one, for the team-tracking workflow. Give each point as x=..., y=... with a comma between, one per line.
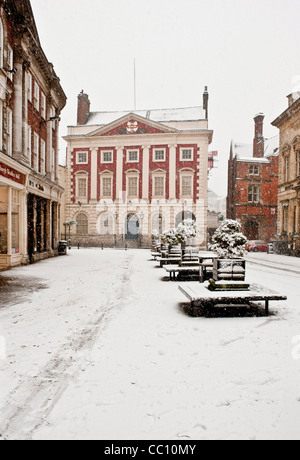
x=132, y=124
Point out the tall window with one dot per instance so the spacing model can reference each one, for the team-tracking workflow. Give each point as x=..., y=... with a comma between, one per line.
x=9, y=133
x=298, y=163
x=186, y=186
x=285, y=218
x=132, y=187
x=106, y=187
x=35, y=152
x=253, y=193
x=29, y=86
x=82, y=224
x=10, y=61
x=36, y=96
x=29, y=143
x=287, y=168
x=43, y=105
x=82, y=187
x=159, y=186
x=43, y=157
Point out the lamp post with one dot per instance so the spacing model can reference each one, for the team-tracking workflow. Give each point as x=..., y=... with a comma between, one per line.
x=69, y=224
x=115, y=235
x=142, y=221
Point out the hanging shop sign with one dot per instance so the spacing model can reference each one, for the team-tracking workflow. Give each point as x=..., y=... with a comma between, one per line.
x=12, y=174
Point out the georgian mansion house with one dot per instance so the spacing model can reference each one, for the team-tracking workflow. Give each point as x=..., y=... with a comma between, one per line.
x=130, y=173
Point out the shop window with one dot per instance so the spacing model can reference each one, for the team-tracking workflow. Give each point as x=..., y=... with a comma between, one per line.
x=15, y=222
x=3, y=219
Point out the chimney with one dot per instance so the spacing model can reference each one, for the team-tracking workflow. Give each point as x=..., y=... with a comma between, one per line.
x=205, y=102
x=83, y=108
x=258, y=141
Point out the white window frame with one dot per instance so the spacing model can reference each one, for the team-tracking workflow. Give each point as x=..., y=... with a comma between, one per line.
x=43, y=105
x=43, y=157
x=29, y=149
x=129, y=151
x=29, y=87
x=182, y=149
x=287, y=168
x=155, y=150
x=81, y=175
x=190, y=175
x=10, y=61
x=81, y=152
x=36, y=96
x=253, y=193
x=128, y=179
x=36, y=140
x=104, y=177
x=103, y=160
x=9, y=133
x=253, y=170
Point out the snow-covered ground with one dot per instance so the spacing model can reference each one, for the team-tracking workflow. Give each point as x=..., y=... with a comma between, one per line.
x=97, y=345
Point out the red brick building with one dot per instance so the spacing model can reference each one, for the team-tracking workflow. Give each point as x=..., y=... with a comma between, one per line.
x=253, y=184
x=129, y=173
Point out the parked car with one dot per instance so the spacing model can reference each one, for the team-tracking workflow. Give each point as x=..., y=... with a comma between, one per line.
x=257, y=246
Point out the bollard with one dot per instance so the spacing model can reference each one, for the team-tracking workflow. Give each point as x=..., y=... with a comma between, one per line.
x=102, y=246
x=126, y=247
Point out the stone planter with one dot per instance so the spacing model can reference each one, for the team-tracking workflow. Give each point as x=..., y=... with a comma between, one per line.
x=229, y=269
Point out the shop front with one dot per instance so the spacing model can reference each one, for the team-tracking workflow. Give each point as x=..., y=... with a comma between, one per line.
x=13, y=250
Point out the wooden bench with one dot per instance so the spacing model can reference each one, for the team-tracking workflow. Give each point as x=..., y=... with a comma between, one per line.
x=176, y=269
x=199, y=294
x=168, y=260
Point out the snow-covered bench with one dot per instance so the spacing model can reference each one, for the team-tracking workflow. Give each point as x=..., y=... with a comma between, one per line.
x=206, y=299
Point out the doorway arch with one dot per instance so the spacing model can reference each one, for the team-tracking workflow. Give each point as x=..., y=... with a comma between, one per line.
x=252, y=230
x=132, y=227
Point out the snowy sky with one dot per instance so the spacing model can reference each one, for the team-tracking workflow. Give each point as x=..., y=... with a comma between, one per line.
x=245, y=51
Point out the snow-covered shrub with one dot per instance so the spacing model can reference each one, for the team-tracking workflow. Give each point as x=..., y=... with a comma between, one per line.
x=185, y=230
x=155, y=235
x=169, y=237
x=228, y=242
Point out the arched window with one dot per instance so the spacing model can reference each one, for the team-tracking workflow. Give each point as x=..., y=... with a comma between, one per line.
x=158, y=222
x=82, y=224
x=105, y=224
x=184, y=215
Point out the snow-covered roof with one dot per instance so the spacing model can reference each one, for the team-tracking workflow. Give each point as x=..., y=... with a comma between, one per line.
x=244, y=152
x=158, y=115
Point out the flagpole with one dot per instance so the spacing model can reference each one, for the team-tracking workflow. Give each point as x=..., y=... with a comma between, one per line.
x=134, y=84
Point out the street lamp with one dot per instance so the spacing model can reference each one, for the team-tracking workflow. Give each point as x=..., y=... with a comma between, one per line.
x=69, y=223
x=115, y=235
